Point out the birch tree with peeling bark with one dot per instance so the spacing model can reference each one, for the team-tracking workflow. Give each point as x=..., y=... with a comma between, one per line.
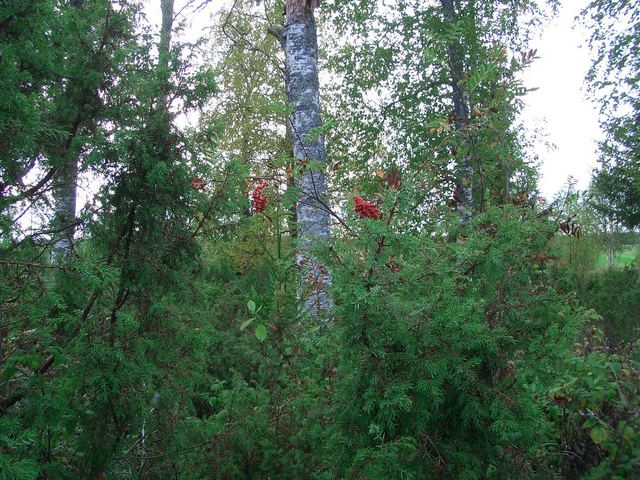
x=301, y=59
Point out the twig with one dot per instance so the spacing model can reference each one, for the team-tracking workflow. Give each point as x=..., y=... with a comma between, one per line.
x=33, y=265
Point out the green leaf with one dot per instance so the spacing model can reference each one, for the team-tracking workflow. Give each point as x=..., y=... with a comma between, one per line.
x=251, y=305
x=276, y=107
x=261, y=332
x=628, y=434
x=246, y=323
x=599, y=434
x=70, y=425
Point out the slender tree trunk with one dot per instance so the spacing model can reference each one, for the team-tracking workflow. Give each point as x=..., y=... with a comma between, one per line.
x=162, y=109
x=301, y=58
x=164, y=49
x=64, y=196
x=65, y=189
x=462, y=115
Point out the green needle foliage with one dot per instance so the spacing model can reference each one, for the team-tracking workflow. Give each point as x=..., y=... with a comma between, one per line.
x=169, y=345
x=446, y=349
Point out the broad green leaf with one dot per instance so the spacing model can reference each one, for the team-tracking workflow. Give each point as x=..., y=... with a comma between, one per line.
x=261, y=332
x=251, y=305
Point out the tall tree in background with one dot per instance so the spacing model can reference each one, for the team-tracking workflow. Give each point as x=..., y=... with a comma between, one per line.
x=79, y=108
x=55, y=101
x=249, y=128
x=615, y=81
x=65, y=187
x=301, y=59
x=461, y=112
x=251, y=121
x=395, y=96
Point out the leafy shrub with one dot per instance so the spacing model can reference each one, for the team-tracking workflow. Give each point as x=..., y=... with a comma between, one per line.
x=595, y=407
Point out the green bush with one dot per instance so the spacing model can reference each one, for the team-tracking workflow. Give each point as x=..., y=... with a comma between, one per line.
x=595, y=408
x=615, y=295
x=446, y=350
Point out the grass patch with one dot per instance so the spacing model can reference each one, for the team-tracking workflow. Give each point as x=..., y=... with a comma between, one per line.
x=623, y=258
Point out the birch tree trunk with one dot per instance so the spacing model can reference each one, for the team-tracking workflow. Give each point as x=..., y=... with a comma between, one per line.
x=301, y=58
x=462, y=115
x=65, y=189
x=64, y=197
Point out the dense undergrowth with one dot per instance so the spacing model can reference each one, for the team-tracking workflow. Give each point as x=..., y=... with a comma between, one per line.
x=169, y=342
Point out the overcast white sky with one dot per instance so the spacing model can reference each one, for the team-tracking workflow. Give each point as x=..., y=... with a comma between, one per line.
x=559, y=108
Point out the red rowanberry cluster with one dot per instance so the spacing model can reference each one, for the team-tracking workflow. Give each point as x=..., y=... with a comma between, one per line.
x=366, y=209
x=259, y=197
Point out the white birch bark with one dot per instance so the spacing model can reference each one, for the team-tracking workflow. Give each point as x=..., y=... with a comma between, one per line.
x=301, y=57
x=64, y=196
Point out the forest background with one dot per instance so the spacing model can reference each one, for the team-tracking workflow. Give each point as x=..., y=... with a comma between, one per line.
x=352, y=278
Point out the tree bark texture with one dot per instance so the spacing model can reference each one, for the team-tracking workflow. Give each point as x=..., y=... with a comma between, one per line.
x=64, y=195
x=462, y=115
x=301, y=58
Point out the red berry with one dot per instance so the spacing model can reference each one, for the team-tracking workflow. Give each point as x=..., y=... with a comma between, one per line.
x=366, y=209
x=259, y=197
